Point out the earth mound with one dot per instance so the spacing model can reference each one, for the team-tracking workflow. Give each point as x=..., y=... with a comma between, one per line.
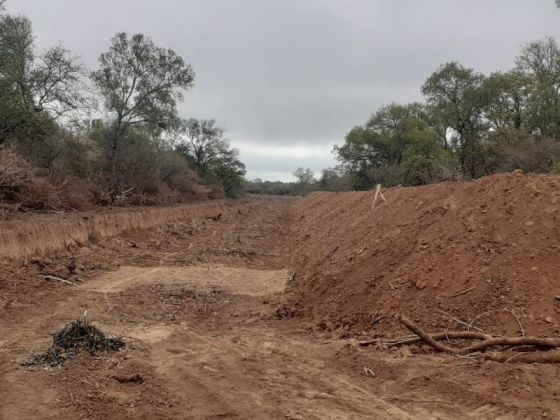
x=484, y=253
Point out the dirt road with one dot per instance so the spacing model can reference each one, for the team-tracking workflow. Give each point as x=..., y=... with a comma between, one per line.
x=196, y=303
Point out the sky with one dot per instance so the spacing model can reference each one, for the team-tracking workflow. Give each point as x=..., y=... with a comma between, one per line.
x=289, y=78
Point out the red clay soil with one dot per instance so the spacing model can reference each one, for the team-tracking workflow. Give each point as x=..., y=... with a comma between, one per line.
x=475, y=250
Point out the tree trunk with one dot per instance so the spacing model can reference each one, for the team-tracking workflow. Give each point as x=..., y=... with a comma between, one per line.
x=114, y=160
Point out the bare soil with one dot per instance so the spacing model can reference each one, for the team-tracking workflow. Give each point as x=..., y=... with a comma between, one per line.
x=201, y=306
x=486, y=251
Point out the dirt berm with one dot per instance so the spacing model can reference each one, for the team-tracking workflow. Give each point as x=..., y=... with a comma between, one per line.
x=486, y=252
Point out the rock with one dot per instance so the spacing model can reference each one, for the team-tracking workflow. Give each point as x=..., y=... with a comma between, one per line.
x=518, y=172
x=420, y=284
x=549, y=320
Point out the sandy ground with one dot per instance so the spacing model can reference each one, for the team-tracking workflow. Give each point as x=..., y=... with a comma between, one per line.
x=196, y=304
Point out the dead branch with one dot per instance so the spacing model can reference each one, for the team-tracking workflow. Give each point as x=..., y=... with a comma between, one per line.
x=413, y=339
x=132, y=243
x=518, y=322
x=53, y=278
x=476, y=318
x=444, y=314
x=462, y=292
x=525, y=357
x=79, y=242
x=487, y=342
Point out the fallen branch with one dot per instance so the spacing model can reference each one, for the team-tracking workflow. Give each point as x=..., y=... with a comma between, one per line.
x=53, y=278
x=132, y=243
x=462, y=292
x=490, y=341
x=413, y=339
x=79, y=242
x=525, y=357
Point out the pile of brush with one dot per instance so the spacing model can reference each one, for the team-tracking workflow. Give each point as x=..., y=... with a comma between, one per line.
x=78, y=336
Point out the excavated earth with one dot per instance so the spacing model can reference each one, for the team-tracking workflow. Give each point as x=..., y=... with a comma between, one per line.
x=251, y=309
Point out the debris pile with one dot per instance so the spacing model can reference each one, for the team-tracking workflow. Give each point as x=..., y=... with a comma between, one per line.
x=76, y=337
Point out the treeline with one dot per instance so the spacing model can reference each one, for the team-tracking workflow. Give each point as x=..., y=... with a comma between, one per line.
x=73, y=137
x=470, y=125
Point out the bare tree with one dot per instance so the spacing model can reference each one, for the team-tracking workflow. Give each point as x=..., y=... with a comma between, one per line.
x=305, y=178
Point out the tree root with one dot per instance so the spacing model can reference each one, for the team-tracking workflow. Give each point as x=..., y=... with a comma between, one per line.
x=487, y=341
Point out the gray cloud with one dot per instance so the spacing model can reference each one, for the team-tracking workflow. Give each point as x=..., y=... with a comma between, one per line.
x=281, y=72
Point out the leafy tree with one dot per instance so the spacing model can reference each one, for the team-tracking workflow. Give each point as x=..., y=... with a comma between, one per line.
x=229, y=170
x=455, y=94
x=376, y=152
x=141, y=84
x=425, y=160
x=204, y=146
x=392, y=123
x=539, y=62
x=34, y=90
x=201, y=143
x=506, y=100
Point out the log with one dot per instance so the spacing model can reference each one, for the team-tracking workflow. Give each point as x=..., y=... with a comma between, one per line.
x=489, y=341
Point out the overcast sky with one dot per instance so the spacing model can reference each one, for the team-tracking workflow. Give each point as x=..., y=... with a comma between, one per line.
x=288, y=78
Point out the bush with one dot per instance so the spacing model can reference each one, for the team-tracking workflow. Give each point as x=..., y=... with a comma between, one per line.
x=507, y=151
x=23, y=187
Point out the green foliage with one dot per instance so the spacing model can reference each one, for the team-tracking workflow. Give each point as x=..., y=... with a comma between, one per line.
x=204, y=146
x=425, y=160
x=395, y=146
x=141, y=84
x=455, y=94
x=471, y=125
x=506, y=100
x=43, y=97
x=260, y=187
x=539, y=62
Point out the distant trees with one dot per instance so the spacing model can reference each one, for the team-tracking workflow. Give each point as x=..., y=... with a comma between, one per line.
x=305, y=178
x=470, y=125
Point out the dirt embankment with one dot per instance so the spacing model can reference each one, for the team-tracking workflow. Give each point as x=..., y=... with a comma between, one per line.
x=475, y=250
x=43, y=235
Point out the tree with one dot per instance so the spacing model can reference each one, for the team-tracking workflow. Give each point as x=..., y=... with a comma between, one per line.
x=305, y=177
x=141, y=84
x=201, y=142
x=204, y=146
x=455, y=94
x=333, y=179
x=539, y=62
x=33, y=90
x=375, y=152
x=506, y=100
x=16, y=58
x=425, y=160
x=57, y=83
